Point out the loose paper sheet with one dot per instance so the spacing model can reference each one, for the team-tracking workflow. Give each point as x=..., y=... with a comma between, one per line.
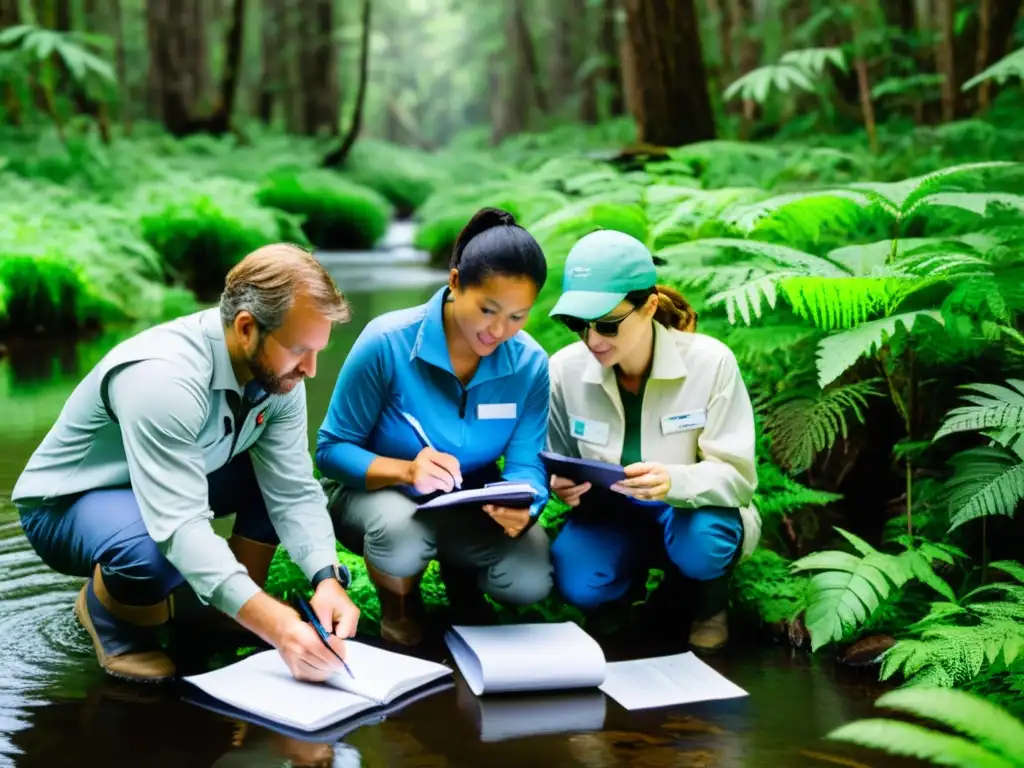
x=665, y=681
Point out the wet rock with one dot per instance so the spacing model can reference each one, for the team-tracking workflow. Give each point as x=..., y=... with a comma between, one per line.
x=867, y=651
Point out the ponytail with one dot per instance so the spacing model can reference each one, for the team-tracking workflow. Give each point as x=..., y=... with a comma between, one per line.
x=674, y=311
x=492, y=243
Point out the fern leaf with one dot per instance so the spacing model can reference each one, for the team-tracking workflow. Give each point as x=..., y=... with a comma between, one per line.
x=803, y=422
x=988, y=480
x=836, y=353
x=813, y=60
x=782, y=256
x=973, y=202
x=901, y=195
x=843, y=302
x=848, y=591
x=1002, y=410
x=1010, y=568
x=869, y=259
x=923, y=572
x=898, y=738
x=987, y=724
x=746, y=298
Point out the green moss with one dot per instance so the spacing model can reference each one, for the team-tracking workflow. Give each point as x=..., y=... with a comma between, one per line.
x=203, y=227
x=336, y=214
x=404, y=176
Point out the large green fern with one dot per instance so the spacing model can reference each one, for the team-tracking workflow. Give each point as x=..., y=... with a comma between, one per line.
x=951, y=644
x=992, y=738
x=805, y=421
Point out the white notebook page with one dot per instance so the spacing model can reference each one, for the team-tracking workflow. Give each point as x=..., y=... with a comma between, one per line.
x=526, y=657
x=262, y=684
x=664, y=681
x=384, y=675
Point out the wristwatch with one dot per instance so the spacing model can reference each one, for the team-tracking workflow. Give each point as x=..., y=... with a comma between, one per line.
x=335, y=571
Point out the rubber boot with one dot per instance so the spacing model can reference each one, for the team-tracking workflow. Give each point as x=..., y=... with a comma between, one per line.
x=123, y=635
x=401, y=606
x=467, y=603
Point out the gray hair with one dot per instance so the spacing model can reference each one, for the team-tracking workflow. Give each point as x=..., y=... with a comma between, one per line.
x=266, y=282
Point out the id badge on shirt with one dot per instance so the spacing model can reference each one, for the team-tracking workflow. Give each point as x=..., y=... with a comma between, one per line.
x=684, y=421
x=595, y=432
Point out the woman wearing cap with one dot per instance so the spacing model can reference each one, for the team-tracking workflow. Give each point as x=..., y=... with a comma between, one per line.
x=643, y=389
x=428, y=400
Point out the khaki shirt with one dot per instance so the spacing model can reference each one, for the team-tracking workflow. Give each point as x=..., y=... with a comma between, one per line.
x=697, y=420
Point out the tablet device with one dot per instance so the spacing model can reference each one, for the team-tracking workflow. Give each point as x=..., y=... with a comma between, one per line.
x=600, y=474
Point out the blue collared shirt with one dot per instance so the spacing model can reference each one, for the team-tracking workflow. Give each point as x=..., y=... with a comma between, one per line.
x=400, y=363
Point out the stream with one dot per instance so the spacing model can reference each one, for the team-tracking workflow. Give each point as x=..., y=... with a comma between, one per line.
x=58, y=709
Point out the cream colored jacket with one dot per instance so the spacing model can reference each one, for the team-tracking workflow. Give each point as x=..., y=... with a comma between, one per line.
x=697, y=420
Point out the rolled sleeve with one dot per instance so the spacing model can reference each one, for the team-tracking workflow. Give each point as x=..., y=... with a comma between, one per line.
x=355, y=408
x=296, y=503
x=726, y=475
x=529, y=437
x=160, y=414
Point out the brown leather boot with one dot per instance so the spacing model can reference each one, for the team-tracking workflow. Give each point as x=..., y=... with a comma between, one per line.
x=256, y=557
x=710, y=634
x=122, y=635
x=401, y=606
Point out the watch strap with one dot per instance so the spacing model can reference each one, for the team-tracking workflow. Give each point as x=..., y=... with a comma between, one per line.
x=334, y=571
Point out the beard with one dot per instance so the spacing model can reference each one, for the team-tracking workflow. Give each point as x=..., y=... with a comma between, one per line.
x=272, y=383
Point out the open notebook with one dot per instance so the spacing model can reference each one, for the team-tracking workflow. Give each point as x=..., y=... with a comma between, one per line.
x=526, y=657
x=507, y=494
x=262, y=685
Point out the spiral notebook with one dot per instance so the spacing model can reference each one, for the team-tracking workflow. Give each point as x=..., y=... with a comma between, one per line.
x=263, y=685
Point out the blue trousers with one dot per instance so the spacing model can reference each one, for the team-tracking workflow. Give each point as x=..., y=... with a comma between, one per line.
x=607, y=544
x=105, y=526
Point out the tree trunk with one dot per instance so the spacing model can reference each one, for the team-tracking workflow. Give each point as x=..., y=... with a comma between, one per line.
x=673, y=105
x=562, y=64
x=10, y=16
x=945, y=60
x=526, y=58
x=612, y=71
x=321, y=91
x=272, y=31
x=177, y=58
x=338, y=157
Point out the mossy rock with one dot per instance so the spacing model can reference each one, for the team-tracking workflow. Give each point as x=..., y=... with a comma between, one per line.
x=336, y=213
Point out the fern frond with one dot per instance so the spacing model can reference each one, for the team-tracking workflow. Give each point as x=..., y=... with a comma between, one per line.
x=814, y=60
x=1010, y=567
x=901, y=195
x=868, y=259
x=805, y=421
x=836, y=353
x=988, y=480
x=997, y=407
x=849, y=589
x=899, y=738
x=781, y=256
x=973, y=202
x=840, y=302
x=973, y=716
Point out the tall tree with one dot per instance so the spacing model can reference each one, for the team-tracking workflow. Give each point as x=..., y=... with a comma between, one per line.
x=671, y=105
x=611, y=70
x=319, y=66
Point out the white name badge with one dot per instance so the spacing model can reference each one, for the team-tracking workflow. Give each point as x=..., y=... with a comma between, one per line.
x=595, y=432
x=496, y=411
x=683, y=422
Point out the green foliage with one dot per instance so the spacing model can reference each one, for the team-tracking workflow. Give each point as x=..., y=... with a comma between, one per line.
x=956, y=639
x=991, y=738
x=336, y=213
x=203, y=227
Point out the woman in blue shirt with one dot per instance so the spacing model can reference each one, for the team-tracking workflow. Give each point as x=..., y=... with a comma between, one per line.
x=428, y=400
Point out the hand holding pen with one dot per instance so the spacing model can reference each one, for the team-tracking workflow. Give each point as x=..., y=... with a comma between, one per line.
x=432, y=470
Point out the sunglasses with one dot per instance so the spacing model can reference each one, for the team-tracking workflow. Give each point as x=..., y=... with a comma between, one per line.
x=606, y=328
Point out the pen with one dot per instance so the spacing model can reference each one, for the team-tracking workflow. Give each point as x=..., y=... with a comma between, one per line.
x=307, y=611
x=415, y=424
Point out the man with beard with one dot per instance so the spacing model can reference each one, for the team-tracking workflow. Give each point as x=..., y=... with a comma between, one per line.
x=196, y=418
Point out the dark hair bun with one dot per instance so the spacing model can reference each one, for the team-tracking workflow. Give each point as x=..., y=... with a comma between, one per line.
x=482, y=220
